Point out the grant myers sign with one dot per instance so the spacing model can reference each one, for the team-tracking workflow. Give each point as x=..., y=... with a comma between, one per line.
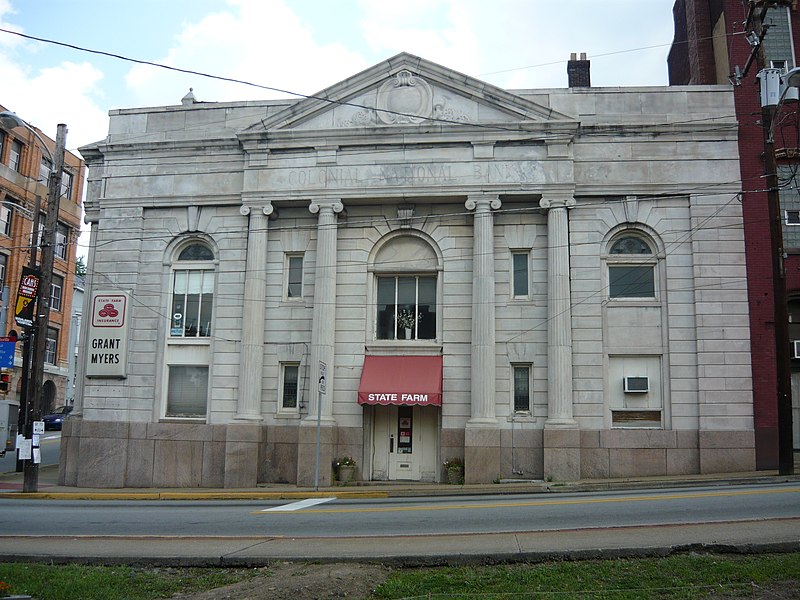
x=107, y=346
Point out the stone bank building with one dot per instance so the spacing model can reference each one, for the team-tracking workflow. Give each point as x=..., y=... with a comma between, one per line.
x=543, y=283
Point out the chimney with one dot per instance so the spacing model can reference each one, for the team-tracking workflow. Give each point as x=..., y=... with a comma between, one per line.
x=578, y=71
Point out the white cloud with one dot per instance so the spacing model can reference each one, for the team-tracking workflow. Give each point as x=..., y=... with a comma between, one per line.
x=259, y=41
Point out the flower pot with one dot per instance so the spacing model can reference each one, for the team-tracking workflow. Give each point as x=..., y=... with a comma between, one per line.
x=408, y=333
x=346, y=473
x=455, y=476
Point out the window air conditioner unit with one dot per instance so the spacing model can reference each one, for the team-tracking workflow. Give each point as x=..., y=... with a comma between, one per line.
x=796, y=349
x=636, y=385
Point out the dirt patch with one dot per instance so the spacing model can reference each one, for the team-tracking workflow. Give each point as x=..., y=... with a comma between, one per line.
x=301, y=581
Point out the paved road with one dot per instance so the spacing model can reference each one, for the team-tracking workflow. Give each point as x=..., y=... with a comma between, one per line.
x=404, y=530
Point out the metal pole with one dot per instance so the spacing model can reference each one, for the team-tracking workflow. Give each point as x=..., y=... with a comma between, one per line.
x=22, y=417
x=319, y=432
x=31, y=472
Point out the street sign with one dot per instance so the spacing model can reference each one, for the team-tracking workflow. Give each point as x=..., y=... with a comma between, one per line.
x=7, y=349
x=322, y=371
x=38, y=428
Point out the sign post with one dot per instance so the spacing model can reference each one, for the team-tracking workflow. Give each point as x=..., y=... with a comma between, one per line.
x=322, y=372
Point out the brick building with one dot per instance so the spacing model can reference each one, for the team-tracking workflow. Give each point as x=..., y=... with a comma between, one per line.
x=24, y=171
x=713, y=42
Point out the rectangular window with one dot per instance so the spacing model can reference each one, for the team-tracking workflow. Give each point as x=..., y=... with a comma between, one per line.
x=5, y=219
x=289, y=393
x=66, y=184
x=520, y=283
x=792, y=217
x=294, y=276
x=406, y=308
x=187, y=391
x=3, y=265
x=56, y=292
x=15, y=156
x=44, y=170
x=631, y=281
x=522, y=388
x=51, y=346
x=192, y=301
x=62, y=238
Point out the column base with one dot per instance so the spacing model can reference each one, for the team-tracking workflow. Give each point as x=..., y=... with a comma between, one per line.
x=482, y=454
x=562, y=454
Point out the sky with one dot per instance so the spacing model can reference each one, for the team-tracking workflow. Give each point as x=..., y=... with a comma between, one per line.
x=302, y=46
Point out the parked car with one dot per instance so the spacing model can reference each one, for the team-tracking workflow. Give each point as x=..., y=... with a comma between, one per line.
x=55, y=419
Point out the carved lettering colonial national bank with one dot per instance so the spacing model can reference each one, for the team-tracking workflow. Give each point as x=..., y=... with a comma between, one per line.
x=360, y=176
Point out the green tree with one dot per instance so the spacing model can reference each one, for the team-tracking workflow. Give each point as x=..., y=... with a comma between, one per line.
x=80, y=266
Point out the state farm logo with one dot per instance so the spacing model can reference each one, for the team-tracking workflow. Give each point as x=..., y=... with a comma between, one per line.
x=109, y=311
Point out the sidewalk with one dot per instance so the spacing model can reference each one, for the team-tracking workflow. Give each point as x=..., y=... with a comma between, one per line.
x=48, y=488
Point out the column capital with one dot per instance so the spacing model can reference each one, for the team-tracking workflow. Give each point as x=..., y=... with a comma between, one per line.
x=334, y=205
x=267, y=209
x=565, y=201
x=484, y=201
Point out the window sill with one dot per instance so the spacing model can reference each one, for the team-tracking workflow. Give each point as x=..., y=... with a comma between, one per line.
x=521, y=418
x=633, y=302
x=182, y=420
x=388, y=347
x=287, y=415
x=189, y=341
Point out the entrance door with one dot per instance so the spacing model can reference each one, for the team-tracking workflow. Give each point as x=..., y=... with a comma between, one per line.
x=404, y=443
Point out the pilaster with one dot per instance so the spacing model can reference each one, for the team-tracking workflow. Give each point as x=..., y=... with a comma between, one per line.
x=324, y=316
x=253, y=315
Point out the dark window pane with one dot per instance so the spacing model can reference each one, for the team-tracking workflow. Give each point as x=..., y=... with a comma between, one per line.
x=295, y=288
x=187, y=391
x=629, y=281
x=522, y=394
x=290, y=386
x=196, y=252
x=630, y=245
x=520, y=274
x=386, y=306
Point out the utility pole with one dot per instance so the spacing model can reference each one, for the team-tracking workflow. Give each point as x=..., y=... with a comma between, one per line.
x=770, y=102
x=42, y=318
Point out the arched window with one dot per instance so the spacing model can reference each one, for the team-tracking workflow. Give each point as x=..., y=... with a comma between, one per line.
x=406, y=280
x=631, y=268
x=188, y=353
x=192, y=292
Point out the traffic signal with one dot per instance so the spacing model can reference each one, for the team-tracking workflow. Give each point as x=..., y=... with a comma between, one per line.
x=5, y=380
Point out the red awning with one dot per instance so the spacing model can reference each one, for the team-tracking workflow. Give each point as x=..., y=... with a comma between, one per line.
x=409, y=380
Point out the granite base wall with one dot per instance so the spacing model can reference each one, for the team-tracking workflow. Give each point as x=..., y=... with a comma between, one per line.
x=142, y=455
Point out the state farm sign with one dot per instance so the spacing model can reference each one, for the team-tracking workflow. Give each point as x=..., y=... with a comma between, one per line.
x=107, y=351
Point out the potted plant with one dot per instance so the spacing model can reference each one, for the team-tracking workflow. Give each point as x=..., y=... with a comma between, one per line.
x=454, y=467
x=345, y=469
x=406, y=320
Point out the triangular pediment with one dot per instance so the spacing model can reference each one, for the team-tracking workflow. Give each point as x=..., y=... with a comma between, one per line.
x=407, y=90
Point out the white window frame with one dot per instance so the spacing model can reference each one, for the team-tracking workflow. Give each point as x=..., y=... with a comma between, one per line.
x=282, y=408
x=289, y=257
x=514, y=367
x=15, y=155
x=527, y=254
x=67, y=181
x=649, y=261
x=791, y=217
x=6, y=217
x=3, y=269
x=57, y=292
x=62, y=241
x=45, y=168
x=51, y=346
x=417, y=314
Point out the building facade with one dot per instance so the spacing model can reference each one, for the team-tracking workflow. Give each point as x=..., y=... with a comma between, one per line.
x=715, y=41
x=24, y=172
x=409, y=267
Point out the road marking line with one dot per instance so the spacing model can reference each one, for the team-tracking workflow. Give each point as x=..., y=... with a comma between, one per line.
x=299, y=505
x=675, y=496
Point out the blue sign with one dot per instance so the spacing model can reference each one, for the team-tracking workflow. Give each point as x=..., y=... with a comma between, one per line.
x=7, y=354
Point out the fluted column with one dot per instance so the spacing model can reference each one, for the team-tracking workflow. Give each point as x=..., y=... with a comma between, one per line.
x=324, y=318
x=483, y=310
x=559, y=314
x=248, y=407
